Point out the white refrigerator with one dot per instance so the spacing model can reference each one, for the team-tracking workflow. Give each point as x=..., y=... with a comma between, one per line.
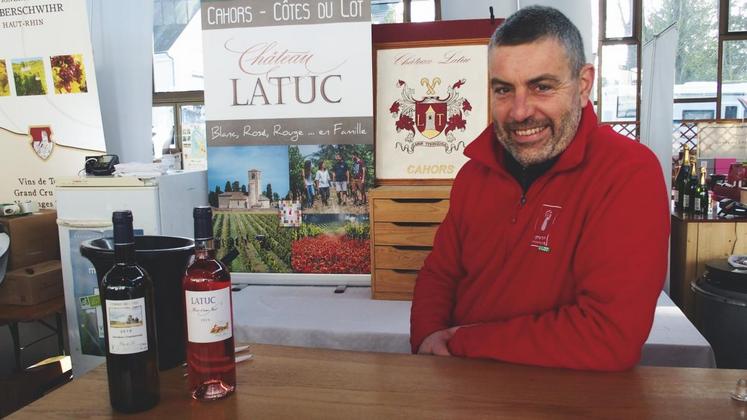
x=160, y=205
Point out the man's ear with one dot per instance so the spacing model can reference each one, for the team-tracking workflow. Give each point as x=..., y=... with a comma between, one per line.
x=586, y=82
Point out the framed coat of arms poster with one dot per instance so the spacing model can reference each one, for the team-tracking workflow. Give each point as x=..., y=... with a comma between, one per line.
x=431, y=102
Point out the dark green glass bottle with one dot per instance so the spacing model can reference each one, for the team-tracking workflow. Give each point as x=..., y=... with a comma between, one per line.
x=130, y=325
x=701, y=194
x=686, y=190
x=692, y=187
x=682, y=179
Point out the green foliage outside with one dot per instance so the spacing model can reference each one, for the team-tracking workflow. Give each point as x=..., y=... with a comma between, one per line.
x=697, y=48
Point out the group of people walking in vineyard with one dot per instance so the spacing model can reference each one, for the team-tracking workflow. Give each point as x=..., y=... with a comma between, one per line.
x=348, y=181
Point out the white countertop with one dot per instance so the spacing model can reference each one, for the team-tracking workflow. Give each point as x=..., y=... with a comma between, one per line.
x=315, y=316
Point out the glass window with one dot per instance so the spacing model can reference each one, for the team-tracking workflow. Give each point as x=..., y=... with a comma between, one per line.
x=392, y=11
x=737, y=15
x=697, y=47
x=422, y=11
x=194, y=145
x=387, y=11
x=619, y=22
x=177, y=46
x=694, y=111
x=698, y=114
x=619, y=82
x=734, y=78
x=163, y=131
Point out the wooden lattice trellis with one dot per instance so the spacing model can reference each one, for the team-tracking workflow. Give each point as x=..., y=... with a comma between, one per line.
x=683, y=133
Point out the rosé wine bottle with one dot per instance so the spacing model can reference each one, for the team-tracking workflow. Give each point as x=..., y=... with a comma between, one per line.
x=209, y=317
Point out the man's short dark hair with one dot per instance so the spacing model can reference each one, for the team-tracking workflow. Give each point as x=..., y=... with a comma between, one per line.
x=536, y=22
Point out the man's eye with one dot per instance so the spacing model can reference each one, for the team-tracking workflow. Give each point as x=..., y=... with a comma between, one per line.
x=501, y=90
x=543, y=88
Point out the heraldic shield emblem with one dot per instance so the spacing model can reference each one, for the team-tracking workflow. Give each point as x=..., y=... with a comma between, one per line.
x=41, y=141
x=430, y=116
x=432, y=120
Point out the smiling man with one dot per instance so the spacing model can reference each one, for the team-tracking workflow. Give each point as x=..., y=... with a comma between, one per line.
x=554, y=249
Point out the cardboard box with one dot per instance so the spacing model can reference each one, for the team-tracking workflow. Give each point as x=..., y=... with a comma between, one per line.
x=33, y=238
x=33, y=284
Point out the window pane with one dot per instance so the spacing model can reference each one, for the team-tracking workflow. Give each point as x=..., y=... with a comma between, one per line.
x=194, y=146
x=694, y=111
x=422, y=11
x=734, y=78
x=387, y=11
x=163, y=130
x=177, y=46
x=737, y=15
x=619, y=82
x=697, y=46
x=619, y=21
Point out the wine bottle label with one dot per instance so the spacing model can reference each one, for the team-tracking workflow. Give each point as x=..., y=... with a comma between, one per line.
x=686, y=201
x=126, y=325
x=697, y=204
x=209, y=315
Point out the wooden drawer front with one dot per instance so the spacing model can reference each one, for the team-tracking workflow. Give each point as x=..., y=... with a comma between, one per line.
x=391, y=284
x=398, y=257
x=404, y=234
x=410, y=210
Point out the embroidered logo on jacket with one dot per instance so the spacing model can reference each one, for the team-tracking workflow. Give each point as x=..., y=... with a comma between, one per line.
x=543, y=226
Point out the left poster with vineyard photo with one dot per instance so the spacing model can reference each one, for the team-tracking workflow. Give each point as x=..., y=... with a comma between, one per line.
x=50, y=118
x=289, y=124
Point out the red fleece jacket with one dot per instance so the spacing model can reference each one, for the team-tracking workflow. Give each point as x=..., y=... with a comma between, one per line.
x=568, y=278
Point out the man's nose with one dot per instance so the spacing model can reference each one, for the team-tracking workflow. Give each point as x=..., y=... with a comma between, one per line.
x=521, y=108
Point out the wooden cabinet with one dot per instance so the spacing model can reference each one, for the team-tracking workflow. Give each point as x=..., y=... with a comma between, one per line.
x=404, y=220
x=694, y=242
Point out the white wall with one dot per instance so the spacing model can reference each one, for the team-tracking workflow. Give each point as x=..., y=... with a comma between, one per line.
x=122, y=39
x=578, y=11
x=476, y=9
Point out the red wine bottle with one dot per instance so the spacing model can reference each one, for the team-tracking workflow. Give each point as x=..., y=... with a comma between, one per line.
x=209, y=316
x=130, y=332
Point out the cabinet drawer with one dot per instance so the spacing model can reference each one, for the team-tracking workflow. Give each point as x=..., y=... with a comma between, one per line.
x=395, y=257
x=404, y=234
x=410, y=210
x=391, y=284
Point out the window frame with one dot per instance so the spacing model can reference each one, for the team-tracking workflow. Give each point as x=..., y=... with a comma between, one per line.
x=724, y=35
x=634, y=39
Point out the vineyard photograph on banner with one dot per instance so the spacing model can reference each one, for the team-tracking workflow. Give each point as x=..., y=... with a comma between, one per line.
x=292, y=209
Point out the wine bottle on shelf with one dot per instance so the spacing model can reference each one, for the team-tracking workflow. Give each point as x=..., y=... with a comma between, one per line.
x=680, y=181
x=209, y=316
x=691, y=192
x=685, y=192
x=701, y=205
x=130, y=332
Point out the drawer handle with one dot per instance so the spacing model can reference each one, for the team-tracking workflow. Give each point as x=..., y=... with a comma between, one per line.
x=417, y=200
x=403, y=271
x=411, y=248
x=416, y=224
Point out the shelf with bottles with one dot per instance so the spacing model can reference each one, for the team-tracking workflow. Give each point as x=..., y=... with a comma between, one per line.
x=691, y=194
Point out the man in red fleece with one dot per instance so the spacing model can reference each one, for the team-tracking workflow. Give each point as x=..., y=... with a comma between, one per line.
x=554, y=249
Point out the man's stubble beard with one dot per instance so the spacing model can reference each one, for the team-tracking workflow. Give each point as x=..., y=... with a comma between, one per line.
x=551, y=148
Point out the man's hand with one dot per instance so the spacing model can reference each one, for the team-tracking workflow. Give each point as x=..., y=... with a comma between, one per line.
x=436, y=343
